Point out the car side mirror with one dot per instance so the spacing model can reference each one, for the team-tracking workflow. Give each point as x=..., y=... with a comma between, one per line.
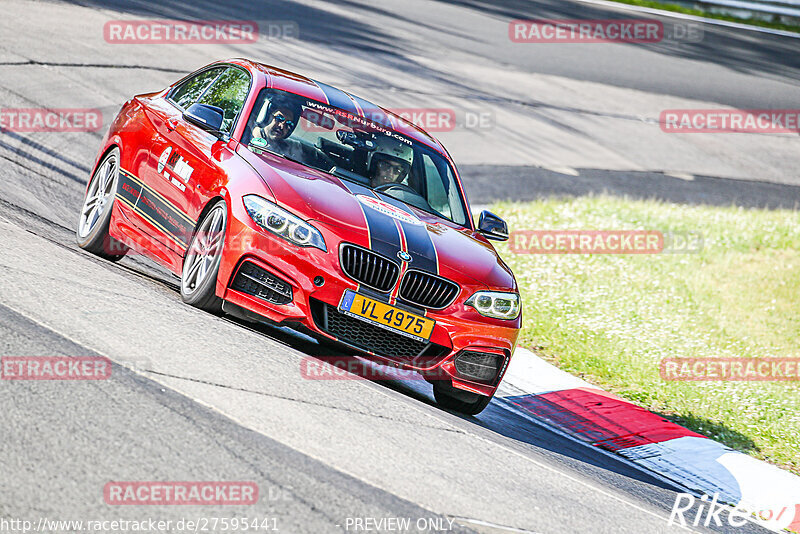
x=209, y=118
x=492, y=226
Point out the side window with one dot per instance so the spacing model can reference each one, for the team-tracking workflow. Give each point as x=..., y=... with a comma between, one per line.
x=443, y=195
x=191, y=89
x=228, y=92
x=437, y=196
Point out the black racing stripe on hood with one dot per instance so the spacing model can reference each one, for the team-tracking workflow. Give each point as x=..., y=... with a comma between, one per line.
x=384, y=237
x=418, y=240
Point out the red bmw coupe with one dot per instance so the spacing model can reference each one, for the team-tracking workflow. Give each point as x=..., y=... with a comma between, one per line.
x=276, y=197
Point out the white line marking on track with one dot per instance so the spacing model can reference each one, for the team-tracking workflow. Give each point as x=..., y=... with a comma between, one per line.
x=412, y=405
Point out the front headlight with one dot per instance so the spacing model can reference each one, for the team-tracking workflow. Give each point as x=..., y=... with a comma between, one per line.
x=495, y=304
x=282, y=223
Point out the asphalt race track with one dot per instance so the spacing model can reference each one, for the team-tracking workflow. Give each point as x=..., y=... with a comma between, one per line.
x=198, y=397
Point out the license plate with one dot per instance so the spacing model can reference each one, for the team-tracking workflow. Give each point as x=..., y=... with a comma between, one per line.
x=386, y=316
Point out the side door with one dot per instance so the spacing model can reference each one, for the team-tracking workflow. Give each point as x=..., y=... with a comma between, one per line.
x=189, y=157
x=199, y=163
x=164, y=198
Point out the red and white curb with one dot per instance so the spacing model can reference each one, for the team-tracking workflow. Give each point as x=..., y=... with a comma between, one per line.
x=600, y=419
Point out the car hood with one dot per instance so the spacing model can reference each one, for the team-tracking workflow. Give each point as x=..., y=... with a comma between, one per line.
x=380, y=222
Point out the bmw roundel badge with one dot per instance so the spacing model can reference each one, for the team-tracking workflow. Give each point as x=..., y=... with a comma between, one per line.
x=403, y=255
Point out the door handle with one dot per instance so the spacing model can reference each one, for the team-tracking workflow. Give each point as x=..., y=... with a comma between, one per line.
x=172, y=124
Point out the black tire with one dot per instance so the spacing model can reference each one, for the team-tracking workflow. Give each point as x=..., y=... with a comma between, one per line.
x=459, y=400
x=95, y=217
x=202, y=294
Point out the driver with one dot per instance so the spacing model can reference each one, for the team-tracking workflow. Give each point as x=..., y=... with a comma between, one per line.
x=390, y=162
x=280, y=121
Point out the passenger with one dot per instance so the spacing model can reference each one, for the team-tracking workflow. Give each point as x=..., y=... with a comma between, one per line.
x=390, y=162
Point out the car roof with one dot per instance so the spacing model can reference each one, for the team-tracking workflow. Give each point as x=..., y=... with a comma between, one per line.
x=277, y=78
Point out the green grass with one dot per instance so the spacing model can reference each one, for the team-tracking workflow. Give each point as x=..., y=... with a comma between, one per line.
x=610, y=319
x=666, y=6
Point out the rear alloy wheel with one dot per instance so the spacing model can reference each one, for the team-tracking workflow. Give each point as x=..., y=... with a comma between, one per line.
x=95, y=218
x=201, y=264
x=459, y=400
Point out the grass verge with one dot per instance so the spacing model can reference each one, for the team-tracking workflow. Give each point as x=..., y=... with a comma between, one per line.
x=611, y=319
x=666, y=6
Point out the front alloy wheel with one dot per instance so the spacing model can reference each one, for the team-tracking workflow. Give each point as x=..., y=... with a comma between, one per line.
x=201, y=264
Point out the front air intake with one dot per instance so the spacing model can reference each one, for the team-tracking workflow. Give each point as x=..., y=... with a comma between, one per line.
x=479, y=366
x=255, y=281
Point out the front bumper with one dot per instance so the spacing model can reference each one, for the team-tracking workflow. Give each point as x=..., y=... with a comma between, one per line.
x=288, y=294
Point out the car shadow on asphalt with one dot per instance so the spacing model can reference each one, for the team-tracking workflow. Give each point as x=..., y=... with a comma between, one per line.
x=496, y=422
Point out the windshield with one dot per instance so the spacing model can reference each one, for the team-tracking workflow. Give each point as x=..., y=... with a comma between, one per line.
x=355, y=149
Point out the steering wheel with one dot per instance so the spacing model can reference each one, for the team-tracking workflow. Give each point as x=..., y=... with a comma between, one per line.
x=402, y=187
